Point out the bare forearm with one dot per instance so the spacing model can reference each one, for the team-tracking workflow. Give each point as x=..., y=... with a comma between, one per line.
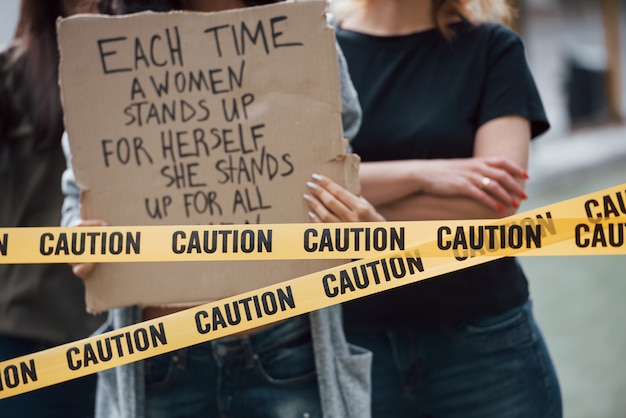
x=430, y=207
x=494, y=176
x=385, y=182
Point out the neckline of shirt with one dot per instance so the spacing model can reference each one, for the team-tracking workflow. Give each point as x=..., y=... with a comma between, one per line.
x=396, y=39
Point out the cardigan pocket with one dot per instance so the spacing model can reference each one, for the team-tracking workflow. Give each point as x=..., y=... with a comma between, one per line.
x=353, y=374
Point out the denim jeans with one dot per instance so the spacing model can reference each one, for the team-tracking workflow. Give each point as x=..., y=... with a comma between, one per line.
x=266, y=374
x=71, y=399
x=495, y=366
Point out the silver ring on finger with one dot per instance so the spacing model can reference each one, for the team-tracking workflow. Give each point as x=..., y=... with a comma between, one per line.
x=485, y=182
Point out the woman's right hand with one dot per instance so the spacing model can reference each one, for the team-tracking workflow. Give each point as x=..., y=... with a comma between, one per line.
x=330, y=202
x=82, y=270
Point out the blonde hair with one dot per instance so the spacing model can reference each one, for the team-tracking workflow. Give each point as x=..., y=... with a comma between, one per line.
x=475, y=10
x=490, y=10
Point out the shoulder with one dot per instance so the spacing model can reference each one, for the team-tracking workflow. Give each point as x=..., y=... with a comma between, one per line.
x=499, y=37
x=498, y=31
x=492, y=35
x=497, y=43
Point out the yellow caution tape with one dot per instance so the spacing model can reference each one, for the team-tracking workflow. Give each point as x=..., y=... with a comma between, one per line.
x=393, y=254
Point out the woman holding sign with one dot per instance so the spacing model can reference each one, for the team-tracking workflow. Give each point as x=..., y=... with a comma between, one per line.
x=449, y=109
x=300, y=367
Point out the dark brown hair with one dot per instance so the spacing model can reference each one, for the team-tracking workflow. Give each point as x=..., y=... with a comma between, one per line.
x=133, y=6
x=443, y=11
x=35, y=60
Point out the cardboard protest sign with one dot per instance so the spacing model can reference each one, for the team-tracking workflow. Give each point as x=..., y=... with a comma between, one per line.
x=200, y=118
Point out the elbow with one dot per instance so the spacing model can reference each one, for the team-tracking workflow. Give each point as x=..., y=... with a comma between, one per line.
x=507, y=211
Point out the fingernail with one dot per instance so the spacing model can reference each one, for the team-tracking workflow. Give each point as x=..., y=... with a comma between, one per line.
x=515, y=203
x=78, y=270
x=500, y=207
x=525, y=174
x=524, y=195
x=316, y=176
x=312, y=185
x=307, y=197
x=311, y=215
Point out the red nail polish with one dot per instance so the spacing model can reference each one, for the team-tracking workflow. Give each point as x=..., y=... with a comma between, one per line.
x=500, y=207
x=524, y=195
x=525, y=174
x=515, y=203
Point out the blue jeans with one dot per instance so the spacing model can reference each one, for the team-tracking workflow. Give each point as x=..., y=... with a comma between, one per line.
x=71, y=399
x=266, y=374
x=496, y=366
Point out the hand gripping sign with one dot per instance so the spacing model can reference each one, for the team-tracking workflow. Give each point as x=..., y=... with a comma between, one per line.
x=390, y=255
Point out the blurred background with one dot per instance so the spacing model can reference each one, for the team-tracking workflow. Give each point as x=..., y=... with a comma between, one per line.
x=577, y=51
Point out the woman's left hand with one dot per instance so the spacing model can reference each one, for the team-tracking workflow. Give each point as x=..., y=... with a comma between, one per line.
x=330, y=202
x=83, y=270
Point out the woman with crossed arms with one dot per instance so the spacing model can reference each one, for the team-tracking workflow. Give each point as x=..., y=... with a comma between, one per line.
x=449, y=110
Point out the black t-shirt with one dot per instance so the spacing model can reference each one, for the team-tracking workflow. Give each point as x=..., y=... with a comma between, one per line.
x=423, y=97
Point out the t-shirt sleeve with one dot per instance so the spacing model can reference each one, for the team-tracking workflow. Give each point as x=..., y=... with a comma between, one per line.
x=509, y=88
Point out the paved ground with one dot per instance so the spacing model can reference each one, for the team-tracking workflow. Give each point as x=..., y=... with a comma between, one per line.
x=579, y=301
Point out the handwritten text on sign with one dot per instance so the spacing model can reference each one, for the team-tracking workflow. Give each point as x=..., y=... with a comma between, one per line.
x=201, y=118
